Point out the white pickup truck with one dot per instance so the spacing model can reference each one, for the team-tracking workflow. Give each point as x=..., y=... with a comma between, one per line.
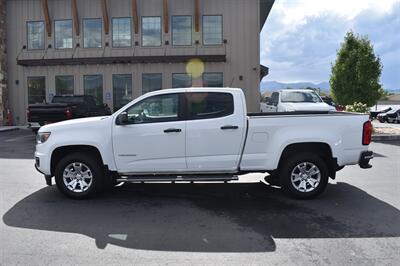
x=290, y=100
x=200, y=134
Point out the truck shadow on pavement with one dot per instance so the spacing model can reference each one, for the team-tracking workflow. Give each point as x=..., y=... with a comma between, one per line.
x=238, y=217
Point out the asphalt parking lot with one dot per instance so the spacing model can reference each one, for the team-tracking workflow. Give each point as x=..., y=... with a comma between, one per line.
x=355, y=222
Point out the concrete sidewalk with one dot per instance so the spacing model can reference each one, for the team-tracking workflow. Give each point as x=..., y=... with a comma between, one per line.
x=11, y=128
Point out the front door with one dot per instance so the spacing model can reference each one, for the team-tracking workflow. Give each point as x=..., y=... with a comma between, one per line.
x=215, y=131
x=153, y=140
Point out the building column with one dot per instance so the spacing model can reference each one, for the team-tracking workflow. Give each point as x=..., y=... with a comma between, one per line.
x=3, y=63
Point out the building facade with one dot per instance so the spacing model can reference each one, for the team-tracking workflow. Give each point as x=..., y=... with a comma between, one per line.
x=117, y=50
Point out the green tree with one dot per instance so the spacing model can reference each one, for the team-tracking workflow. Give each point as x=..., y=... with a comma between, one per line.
x=356, y=72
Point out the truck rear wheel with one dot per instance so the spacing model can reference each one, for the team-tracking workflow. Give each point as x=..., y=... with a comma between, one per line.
x=304, y=175
x=79, y=176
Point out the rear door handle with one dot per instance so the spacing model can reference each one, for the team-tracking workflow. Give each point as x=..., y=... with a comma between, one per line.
x=172, y=130
x=229, y=127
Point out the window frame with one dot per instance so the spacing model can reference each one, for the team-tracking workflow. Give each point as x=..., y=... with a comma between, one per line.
x=113, y=88
x=102, y=85
x=83, y=33
x=159, y=73
x=27, y=35
x=72, y=34
x=180, y=109
x=55, y=82
x=112, y=33
x=188, y=115
x=191, y=30
x=222, y=29
x=141, y=31
x=27, y=87
x=205, y=73
x=181, y=73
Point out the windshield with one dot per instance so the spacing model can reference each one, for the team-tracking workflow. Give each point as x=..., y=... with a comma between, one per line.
x=300, y=97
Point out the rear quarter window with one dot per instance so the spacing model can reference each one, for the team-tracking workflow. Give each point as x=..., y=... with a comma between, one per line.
x=207, y=105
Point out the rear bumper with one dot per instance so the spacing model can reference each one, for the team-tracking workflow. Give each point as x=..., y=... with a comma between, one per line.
x=365, y=157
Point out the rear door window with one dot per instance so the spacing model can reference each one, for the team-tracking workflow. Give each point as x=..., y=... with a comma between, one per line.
x=207, y=105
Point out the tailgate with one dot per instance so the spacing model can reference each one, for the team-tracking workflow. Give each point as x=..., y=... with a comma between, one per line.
x=49, y=113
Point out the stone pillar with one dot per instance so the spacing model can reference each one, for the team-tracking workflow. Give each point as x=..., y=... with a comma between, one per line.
x=3, y=63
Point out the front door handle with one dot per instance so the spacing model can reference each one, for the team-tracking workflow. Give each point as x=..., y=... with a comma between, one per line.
x=229, y=127
x=172, y=130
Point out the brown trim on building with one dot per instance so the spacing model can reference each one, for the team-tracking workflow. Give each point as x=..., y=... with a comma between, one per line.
x=120, y=60
x=106, y=22
x=165, y=16
x=196, y=15
x=75, y=17
x=135, y=17
x=45, y=9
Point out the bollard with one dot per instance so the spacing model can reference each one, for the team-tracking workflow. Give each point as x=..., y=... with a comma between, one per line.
x=9, y=117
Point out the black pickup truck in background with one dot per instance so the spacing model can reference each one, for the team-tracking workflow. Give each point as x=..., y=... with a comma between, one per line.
x=63, y=108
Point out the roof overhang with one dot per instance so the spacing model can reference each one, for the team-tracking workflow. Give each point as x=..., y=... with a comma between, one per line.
x=265, y=8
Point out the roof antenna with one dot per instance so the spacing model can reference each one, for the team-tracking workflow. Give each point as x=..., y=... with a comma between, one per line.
x=230, y=85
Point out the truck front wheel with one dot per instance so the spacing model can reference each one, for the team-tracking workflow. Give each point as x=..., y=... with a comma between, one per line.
x=304, y=175
x=79, y=176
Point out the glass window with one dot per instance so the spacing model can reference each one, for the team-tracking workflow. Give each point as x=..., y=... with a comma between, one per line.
x=213, y=80
x=156, y=109
x=205, y=105
x=36, y=90
x=122, y=90
x=35, y=34
x=181, y=80
x=93, y=85
x=212, y=30
x=181, y=30
x=63, y=34
x=300, y=97
x=151, y=31
x=121, y=32
x=64, y=85
x=151, y=82
x=92, y=29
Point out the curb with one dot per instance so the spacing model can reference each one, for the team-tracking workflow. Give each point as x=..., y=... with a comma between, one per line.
x=8, y=129
x=385, y=137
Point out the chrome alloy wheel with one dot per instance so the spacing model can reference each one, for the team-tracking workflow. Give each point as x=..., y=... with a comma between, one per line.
x=305, y=177
x=77, y=177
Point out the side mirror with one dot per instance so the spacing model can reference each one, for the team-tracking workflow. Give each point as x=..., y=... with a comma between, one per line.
x=122, y=118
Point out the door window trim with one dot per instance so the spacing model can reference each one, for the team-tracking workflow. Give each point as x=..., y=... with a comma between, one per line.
x=180, y=109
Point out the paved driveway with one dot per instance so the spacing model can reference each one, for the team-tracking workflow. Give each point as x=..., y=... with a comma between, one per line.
x=357, y=220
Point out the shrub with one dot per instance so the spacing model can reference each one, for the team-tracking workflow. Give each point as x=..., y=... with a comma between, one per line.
x=357, y=108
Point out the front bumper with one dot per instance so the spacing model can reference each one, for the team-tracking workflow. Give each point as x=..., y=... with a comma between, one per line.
x=365, y=157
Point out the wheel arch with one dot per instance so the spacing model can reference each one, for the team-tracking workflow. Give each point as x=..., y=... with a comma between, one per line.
x=322, y=149
x=62, y=151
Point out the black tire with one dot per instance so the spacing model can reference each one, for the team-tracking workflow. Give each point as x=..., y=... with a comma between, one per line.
x=273, y=179
x=97, y=184
x=290, y=165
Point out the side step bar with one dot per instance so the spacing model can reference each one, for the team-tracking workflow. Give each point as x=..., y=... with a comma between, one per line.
x=173, y=179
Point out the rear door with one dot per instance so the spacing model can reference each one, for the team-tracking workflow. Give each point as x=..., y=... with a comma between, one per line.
x=215, y=129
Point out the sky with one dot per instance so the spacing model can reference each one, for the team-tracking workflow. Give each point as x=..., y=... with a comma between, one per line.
x=300, y=39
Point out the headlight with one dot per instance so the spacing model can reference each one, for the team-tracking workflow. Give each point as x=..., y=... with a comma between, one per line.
x=42, y=137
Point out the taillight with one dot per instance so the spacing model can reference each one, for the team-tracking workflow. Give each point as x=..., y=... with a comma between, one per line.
x=367, y=132
x=28, y=115
x=68, y=113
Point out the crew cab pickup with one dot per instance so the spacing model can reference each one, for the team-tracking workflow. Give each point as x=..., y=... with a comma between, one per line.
x=200, y=134
x=290, y=100
x=64, y=107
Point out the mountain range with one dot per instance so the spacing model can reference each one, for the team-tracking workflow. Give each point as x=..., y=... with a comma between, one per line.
x=275, y=85
x=324, y=86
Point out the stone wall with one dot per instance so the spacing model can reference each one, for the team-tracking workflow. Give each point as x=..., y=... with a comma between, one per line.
x=3, y=62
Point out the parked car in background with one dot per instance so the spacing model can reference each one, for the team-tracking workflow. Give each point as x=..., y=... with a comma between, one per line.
x=392, y=116
x=63, y=108
x=330, y=101
x=296, y=100
x=201, y=134
x=374, y=114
